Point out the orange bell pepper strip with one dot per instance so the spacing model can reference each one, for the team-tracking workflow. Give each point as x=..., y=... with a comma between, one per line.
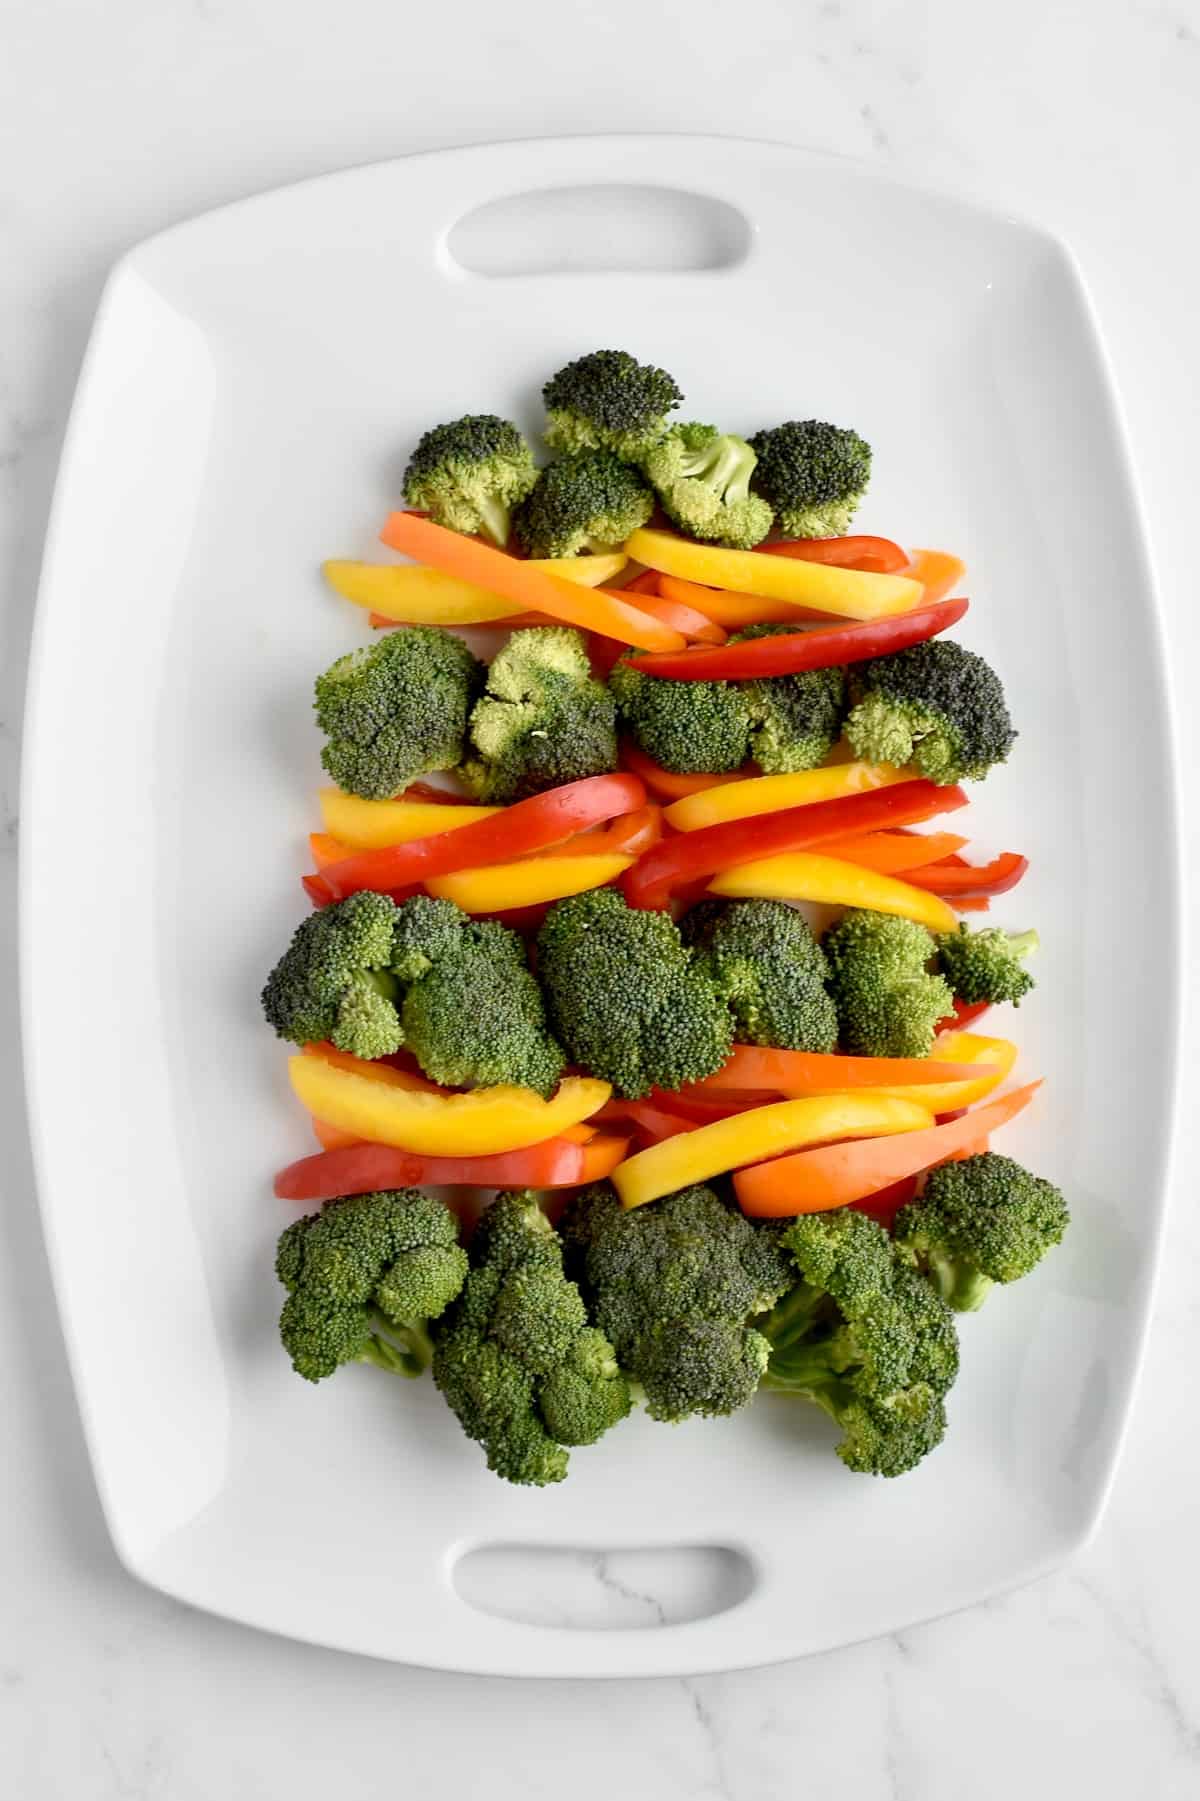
x=667, y=783
x=325, y=851
x=469, y=559
x=937, y=571
x=850, y=593
x=736, y=611
x=797, y=1073
x=361, y=1168
x=984, y=1063
x=811, y=876
x=892, y=853
x=628, y=836
x=330, y=1138
x=835, y=1175
x=697, y=627
x=879, y=554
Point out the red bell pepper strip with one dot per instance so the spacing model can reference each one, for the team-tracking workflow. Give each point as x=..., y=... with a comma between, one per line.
x=965, y=1015
x=885, y=1204
x=627, y=836
x=653, y=1123
x=879, y=555
x=362, y=1168
x=689, y=855
x=955, y=876
x=530, y=825
x=668, y=784
x=826, y=647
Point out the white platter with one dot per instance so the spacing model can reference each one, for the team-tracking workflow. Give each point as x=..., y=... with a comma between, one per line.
x=254, y=382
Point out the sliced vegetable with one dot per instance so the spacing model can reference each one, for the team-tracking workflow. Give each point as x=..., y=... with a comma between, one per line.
x=755, y=795
x=836, y=1175
x=330, y=1138
x=407, y=594
x=764, y=1132
x=500, y=887
x=734, y=611
x=878, y=554
x=992, y=1060
x=526, y=586
x=325, y=851
x=797, y=1073
x=849, y=592
x=955, y=876
x=679, y=616
x=805, y=876
x=937, y=571
x=371, y=824
x=627, y=836
x=392, y=1072
x=665, y=782
x=824, y=648
x=361, y=1168
x=966, y=1013
x=894, y=852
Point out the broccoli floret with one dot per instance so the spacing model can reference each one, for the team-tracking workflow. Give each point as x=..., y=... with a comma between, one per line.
x=703, y=480
x=813, y=474
x=468, y=475
x=795, y=720
x=866, y=1338
x=591, y=501
x=987, y=965
x=609, y=401
x=762, y=957
x=335, y=979
x=542, y=720
x=515, y=1358
x=472, y=1013
x=887, y=1002
x=396, y=709
x=624, y=995
x=935, y=705
x=684, y=726
x=364, y=1276
x=677, y=1286
x=981, y=1221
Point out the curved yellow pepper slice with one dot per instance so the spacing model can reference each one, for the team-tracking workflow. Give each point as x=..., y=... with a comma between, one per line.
x=414, y=595
x=849, y=593
x=761, y=1133
x=772, y=793
x=442, y=1124
x=806, y=876
x=373, y=824
x=497, y=887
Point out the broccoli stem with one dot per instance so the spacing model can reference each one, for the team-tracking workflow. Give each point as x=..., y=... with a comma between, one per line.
x=1021, y=944
x=495, y=518
x=725, y=464
x=404, y=1349
x=792, y=1318
x=961, y=1285
x=805, y=1370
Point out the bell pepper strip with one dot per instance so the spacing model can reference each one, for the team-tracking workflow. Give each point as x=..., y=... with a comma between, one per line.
x=527, y=587
x=986, y=1062
x=526, y=920
x=325, y=851
x=884, y=1206
x=892, y=853
x=808, y=876
x=529, y=882
x=736, y=611
x=392, y=1073
x=850, y=593
x=627, y=836
x=407, y=594
x=835, y=1175
x=700, y=1105
x=753, y=796
x=330, y=1139
x=970, y=903
x=652, y=1122
x=799, y=1073
x=682, y=618
x=878, y=554
x=503, y=1118
x=765, y=1132
x=644, y=582
x=955, y=876
x=827, y=647
x=965, y=1015
x=668, y=784
x=361, y=1168
x=372, y=824
x=530, y=825
x=937, y=571
x=438, y=797
x=691, y=856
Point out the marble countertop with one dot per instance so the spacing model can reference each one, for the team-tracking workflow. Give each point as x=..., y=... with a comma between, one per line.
x=117, y=121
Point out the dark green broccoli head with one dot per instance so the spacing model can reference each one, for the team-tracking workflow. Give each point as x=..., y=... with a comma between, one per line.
x=684, y=726
x=813, y=474
x=624, y=995
x=590, y=501
x=866, y=1338
x=543, y=719
x=675, y=1285
x=888, y=1005
x=334, y=980
x=795, y=720
x=363, y=1276
x=607, y=400
x=762, y=957
x=703, y=480
x=426, y=930
x=935, y=705
x=516, y=1360
x=987, y=965
x=469, y=474
x=396, y=709
x=983, y=1220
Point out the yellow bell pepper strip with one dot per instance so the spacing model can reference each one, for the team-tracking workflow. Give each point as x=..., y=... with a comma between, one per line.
x=499, y=887
x=995, y=1059
x=476, y=1124
x=937, y=571
x=772, y=793
x=807, y=876
x=372, y=824
x=408, y=594
x=850, y=593
x=760, y=1133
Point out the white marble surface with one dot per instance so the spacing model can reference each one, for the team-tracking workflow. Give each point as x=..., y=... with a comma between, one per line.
x=118, y=120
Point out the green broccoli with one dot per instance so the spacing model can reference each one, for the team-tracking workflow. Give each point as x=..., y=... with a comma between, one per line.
x=516, y=1360
x=813, y=474
x=888, y=1004
x=866, y=1338
x=795, y=719
x=987, y=965
x=396, y=709
x=609, y=401
x=978, y=1222
x=543, y=719
x=935, y=705
x=762, y=957
x=677, y=1286
x=625, y=997
x=335, y=979
x=364, y=1276
x=684, y=726
x=590, y=501
x=703, y=480
x=469, y=474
